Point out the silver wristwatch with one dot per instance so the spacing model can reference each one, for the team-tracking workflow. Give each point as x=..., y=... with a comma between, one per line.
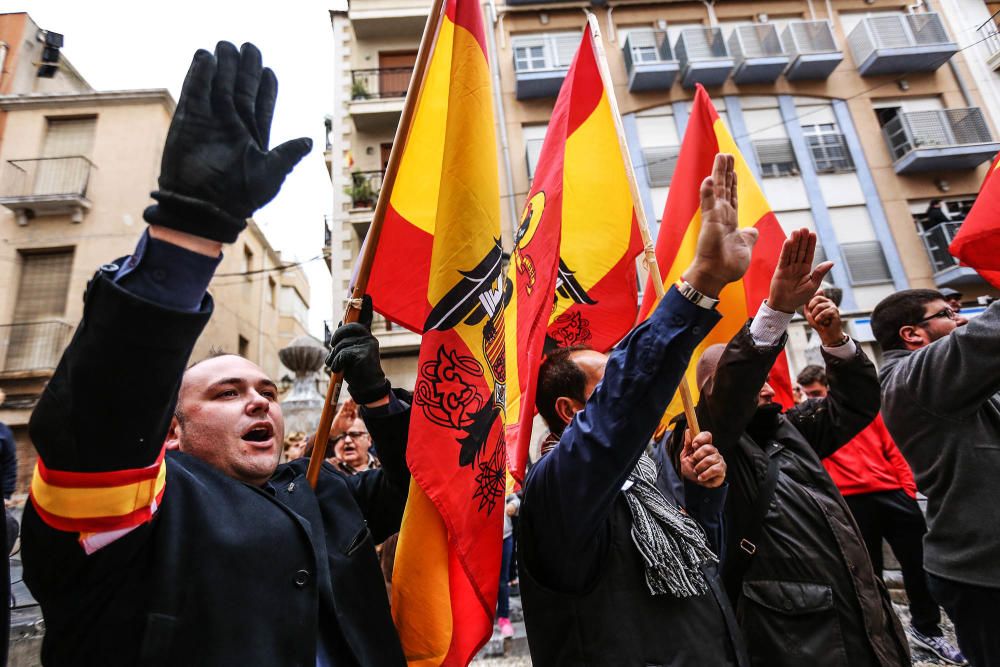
x=688, y=291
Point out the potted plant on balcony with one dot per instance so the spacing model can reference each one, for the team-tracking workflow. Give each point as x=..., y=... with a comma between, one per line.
x=359, y=91
x=361, y=192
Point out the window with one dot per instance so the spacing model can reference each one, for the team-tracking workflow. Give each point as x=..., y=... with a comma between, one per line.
x=36, y=337
x=866, y=263
x=269, y=292
x=642, y=43
x=544, y=51
x=243, y=347
x=247, y=261
x=775, y=157
x=660, y=163
x=534, y=137
x=828, y=148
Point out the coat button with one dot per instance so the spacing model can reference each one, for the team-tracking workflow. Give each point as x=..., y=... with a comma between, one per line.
x=110, y=267
x=301, y=578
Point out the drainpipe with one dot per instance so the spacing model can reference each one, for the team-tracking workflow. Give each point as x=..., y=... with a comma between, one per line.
x=491, y=40
x=710, y=7
x=4, y=48
x=611, y=32
x=812, y=10
x=964, y=89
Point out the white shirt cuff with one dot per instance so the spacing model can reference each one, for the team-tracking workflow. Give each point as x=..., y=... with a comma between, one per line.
x=769, y=326
x=845, y=351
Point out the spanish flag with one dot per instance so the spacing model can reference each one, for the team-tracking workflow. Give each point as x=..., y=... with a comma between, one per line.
x=437, y=270
x=705, y=136
x=977, y=243
x=572, y=271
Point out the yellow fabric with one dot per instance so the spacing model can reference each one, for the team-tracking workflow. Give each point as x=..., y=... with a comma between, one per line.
x=96, y=502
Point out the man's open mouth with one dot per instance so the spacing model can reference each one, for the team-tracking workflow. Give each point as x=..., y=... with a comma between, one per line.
x=259, y=433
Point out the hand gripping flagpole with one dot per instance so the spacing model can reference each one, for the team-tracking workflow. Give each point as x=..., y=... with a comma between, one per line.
x=640, y=213
x=375, y=230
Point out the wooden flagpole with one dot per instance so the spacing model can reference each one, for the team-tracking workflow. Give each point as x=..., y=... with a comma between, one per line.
x=427, y=42
x=640, y=213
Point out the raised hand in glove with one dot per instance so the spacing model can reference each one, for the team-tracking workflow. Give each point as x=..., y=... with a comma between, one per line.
x=354, y=352
x=216, y=168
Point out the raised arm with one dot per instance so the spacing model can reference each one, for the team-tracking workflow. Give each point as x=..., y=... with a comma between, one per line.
x=110, y=401
x=570, y=491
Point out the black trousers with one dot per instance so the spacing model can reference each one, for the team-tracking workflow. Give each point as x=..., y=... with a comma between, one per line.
x=974, y=612
x=896, y=517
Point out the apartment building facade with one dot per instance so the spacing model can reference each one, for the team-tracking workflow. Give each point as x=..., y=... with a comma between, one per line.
x=853, y=114
x=76, y=169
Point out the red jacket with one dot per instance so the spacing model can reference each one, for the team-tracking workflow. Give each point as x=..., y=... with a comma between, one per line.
x=870, y=463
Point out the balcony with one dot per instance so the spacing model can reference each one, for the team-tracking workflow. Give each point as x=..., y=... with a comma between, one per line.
x=30, y=349
x=378, y=19
x=991, y=40
x=901, y=43
x=703, y=57
x=760, y=56
x=947, y=270
x=942, y=139
x=377, y=97
x=363, y=191
x=649, y=62
x=813, y=51
x=46, y=186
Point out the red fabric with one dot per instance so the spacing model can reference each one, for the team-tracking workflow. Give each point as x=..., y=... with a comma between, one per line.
x=869, y=463
x=977, y=243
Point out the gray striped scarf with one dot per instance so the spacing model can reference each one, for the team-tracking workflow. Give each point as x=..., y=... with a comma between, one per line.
x=670, y=542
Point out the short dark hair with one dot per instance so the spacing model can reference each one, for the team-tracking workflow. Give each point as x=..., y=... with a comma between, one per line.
x=559, y=376
x=812, y=373
x=898, y=310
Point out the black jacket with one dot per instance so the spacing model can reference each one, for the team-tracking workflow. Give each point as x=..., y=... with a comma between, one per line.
x=225, y=573
x=809, y=595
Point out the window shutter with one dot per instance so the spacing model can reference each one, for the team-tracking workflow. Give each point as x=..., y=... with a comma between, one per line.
x=866, y=263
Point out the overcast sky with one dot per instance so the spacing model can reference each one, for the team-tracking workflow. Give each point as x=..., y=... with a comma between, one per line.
x=118, y=44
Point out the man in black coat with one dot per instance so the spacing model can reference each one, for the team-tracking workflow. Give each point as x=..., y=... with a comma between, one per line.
x=796, y=567
x=161, y=529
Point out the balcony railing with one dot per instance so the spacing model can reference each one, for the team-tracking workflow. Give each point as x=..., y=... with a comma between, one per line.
x=46, y=177
x=364, y=188
x=703, y=57
x=32, y=346
x=936, y=240
x=955, y=138
x=381, y=83
x=649, y=61
x=760, y=56
x=900, y=43
x=812, y=48
x=991, y=40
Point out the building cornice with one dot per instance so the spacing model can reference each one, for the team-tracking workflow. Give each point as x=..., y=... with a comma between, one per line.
x=88, y=99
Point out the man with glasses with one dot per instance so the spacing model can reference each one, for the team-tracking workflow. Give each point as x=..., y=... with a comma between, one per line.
x=941, y=402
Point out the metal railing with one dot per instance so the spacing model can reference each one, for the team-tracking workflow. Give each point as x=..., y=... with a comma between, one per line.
x=381, y=83
x=940, y=128
x=936, y=240
x=755, y=40
x=46, y=177
x=695, y=44
x=990, y=37
x=364, y=188
x=896, y=31
x=29, y=346
x=809, y=37
x=646, y=46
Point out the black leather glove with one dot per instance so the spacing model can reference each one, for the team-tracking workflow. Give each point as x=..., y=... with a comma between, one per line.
x=216, y=168
x=355, y=354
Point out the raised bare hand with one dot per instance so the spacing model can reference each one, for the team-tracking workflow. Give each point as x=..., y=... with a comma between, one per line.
x=723, y=252
x=795, y=281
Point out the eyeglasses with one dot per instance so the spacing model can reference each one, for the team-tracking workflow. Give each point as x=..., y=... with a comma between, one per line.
x=353, y=435
x=944, y=312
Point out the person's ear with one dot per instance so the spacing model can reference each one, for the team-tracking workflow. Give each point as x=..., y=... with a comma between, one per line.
x=173, y=439
x=912, y=335
x=567, y=407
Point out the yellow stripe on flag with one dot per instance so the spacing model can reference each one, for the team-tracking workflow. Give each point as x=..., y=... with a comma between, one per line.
x=96, y=502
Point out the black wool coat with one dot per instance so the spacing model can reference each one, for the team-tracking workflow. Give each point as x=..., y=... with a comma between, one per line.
x=225, y=573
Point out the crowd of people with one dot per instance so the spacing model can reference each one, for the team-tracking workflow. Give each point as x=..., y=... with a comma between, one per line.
x=171, y=521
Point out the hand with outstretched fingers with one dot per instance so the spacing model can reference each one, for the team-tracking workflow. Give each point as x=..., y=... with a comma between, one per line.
x=723, y=252
x=355, y=353
x=795, y=281
x=216, y=168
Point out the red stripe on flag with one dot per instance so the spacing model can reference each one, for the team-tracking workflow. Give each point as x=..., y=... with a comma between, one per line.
x=467, y=14
x=99, y=524
x=586, y=85
x=100, y=480
x=402, y=301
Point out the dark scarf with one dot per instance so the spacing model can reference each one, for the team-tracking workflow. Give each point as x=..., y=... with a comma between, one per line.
x=764, y=424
